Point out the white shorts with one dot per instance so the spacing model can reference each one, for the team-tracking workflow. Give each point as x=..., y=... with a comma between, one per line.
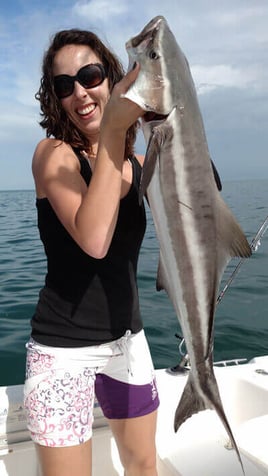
x=61, y=384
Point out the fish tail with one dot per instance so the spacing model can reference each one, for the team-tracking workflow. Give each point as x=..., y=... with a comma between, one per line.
x=192, y=402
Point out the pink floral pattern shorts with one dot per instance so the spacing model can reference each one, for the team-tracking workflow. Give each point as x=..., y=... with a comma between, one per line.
x=61, y=385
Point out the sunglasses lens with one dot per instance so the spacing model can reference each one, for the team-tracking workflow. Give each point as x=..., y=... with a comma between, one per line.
x=89, y=76
x=63, y=86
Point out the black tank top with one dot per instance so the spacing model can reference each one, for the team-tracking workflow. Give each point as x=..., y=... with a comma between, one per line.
x=88, y=301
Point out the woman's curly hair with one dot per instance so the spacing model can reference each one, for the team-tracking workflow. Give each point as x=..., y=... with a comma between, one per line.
x=54, y=118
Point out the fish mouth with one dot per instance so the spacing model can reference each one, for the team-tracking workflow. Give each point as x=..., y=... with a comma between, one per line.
x=154, y=116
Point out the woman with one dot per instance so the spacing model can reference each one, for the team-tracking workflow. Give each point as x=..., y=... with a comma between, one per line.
x=87, y=334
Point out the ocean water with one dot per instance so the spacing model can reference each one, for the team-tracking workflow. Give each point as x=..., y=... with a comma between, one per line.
x=241, y=321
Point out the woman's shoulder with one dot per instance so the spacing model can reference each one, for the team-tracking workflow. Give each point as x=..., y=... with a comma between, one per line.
x=53, y=152
x=52, y=158
x=50, y=146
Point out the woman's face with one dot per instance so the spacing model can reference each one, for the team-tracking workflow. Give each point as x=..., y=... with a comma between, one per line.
x=84, y=107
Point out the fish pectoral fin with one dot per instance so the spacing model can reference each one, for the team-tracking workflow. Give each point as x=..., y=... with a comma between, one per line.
x=190, y=403
x=232, y=234
x=151, y=156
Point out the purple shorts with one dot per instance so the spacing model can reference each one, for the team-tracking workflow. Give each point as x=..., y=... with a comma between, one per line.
x=61, y=385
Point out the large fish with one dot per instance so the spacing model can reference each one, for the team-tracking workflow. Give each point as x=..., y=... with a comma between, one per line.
x=197, y=232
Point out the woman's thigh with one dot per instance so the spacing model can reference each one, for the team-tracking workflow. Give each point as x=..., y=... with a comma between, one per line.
x=135, y=438
x=65, y=461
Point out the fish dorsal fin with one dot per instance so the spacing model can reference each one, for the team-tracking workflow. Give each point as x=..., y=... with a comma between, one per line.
x=231, y=234
x=162, y=281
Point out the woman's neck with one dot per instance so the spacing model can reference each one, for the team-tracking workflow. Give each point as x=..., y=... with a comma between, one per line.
x=90, y=157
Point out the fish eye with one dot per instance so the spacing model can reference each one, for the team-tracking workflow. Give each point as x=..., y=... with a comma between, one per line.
x=153, y=55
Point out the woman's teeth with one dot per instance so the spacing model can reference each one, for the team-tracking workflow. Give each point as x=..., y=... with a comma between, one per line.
x=86, y=110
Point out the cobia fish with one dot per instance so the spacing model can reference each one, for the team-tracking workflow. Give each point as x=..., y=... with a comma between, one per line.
x=197, y=232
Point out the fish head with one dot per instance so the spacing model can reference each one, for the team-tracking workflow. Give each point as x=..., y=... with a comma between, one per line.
x=156, y=89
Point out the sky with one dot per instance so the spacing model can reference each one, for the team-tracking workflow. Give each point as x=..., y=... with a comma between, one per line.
x=225, y=42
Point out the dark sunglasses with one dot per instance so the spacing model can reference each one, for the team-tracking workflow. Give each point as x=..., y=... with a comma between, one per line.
x=88, y=76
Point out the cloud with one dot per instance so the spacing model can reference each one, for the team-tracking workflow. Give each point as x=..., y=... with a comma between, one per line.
x=96, y=10
x=207, y=78
x=22, y=120
x=243, y=14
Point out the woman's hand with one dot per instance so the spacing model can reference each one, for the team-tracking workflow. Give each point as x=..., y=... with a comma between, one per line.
x=120, y=113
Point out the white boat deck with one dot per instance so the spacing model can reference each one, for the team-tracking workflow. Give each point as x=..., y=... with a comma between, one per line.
x=200, y=447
